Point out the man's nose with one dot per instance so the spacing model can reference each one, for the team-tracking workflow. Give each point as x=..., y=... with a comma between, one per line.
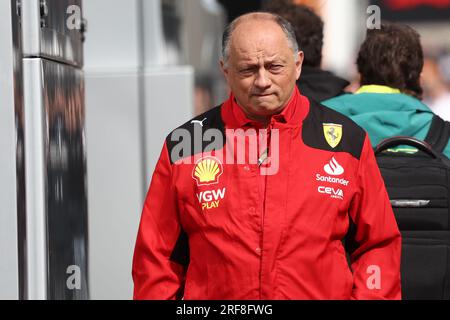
x=262, y=80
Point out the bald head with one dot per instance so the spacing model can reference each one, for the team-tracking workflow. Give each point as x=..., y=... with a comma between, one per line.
x=261, y=64
x=258, y=19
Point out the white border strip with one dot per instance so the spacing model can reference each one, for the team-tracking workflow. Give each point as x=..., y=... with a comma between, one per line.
x=35, y=180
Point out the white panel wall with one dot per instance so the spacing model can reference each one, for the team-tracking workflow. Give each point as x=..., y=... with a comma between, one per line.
x=8, y=212
x=166, y=90
x=345, y=27
x=131, y=105
x=114, y=181
x=112, y=37
x=114, y=154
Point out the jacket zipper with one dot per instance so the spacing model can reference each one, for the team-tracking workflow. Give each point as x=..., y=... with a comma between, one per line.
x=263, y=158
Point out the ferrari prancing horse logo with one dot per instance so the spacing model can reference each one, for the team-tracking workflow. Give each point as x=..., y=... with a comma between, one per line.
x=333, y=134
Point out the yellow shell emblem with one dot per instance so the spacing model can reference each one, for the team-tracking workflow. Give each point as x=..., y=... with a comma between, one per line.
x=333, y=134
x=207, y=171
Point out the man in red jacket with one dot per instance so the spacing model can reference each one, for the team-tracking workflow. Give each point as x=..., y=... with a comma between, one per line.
x=252, y=200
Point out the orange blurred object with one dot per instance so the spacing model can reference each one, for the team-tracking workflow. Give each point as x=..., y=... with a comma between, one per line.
x=411, y=4
x=316, y=5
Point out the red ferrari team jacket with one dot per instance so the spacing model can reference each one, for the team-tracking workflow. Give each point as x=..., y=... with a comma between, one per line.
x=214, y=226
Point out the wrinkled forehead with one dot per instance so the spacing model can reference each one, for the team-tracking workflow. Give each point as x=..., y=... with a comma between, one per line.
x=259, y=38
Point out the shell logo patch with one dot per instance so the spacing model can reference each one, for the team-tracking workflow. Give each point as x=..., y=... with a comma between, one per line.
x=333, y=134
x=207, y=171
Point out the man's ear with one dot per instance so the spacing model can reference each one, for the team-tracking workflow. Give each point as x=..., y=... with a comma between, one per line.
x=224, y=68
x=299, y=63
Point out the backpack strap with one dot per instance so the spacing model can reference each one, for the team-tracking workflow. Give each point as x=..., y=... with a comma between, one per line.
x=439, y=134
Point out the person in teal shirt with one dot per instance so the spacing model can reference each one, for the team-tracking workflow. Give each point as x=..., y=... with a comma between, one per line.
x=388, y=103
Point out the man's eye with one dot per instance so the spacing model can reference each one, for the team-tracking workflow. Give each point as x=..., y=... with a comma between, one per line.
x=275, y=67
x=246, y=71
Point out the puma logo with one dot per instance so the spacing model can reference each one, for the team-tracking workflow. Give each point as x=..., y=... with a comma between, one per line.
x=198, y=122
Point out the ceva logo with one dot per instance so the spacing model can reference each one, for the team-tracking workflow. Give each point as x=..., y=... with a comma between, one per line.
x=332, y=192
x=333, y=168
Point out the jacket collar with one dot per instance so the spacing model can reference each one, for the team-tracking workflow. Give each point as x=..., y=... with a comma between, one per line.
x=320, y=85
x=293, y=114
x=373, y=88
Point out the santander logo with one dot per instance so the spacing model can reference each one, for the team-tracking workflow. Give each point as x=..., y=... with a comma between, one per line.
x=333, y=168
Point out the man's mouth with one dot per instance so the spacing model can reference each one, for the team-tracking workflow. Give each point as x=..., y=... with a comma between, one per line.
x=262, y=94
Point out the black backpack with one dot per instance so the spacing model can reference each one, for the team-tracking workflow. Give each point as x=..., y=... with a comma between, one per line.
x=418, y=185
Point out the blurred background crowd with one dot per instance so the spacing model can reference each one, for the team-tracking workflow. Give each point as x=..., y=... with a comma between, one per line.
x=151, y=65
x=141, y=84
x=344, y=30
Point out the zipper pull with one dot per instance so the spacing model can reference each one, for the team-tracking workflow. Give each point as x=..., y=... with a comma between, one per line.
x=264, y=156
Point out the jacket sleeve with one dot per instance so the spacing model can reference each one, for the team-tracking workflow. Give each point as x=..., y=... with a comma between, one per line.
x=158, y=274
x=375, y=260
